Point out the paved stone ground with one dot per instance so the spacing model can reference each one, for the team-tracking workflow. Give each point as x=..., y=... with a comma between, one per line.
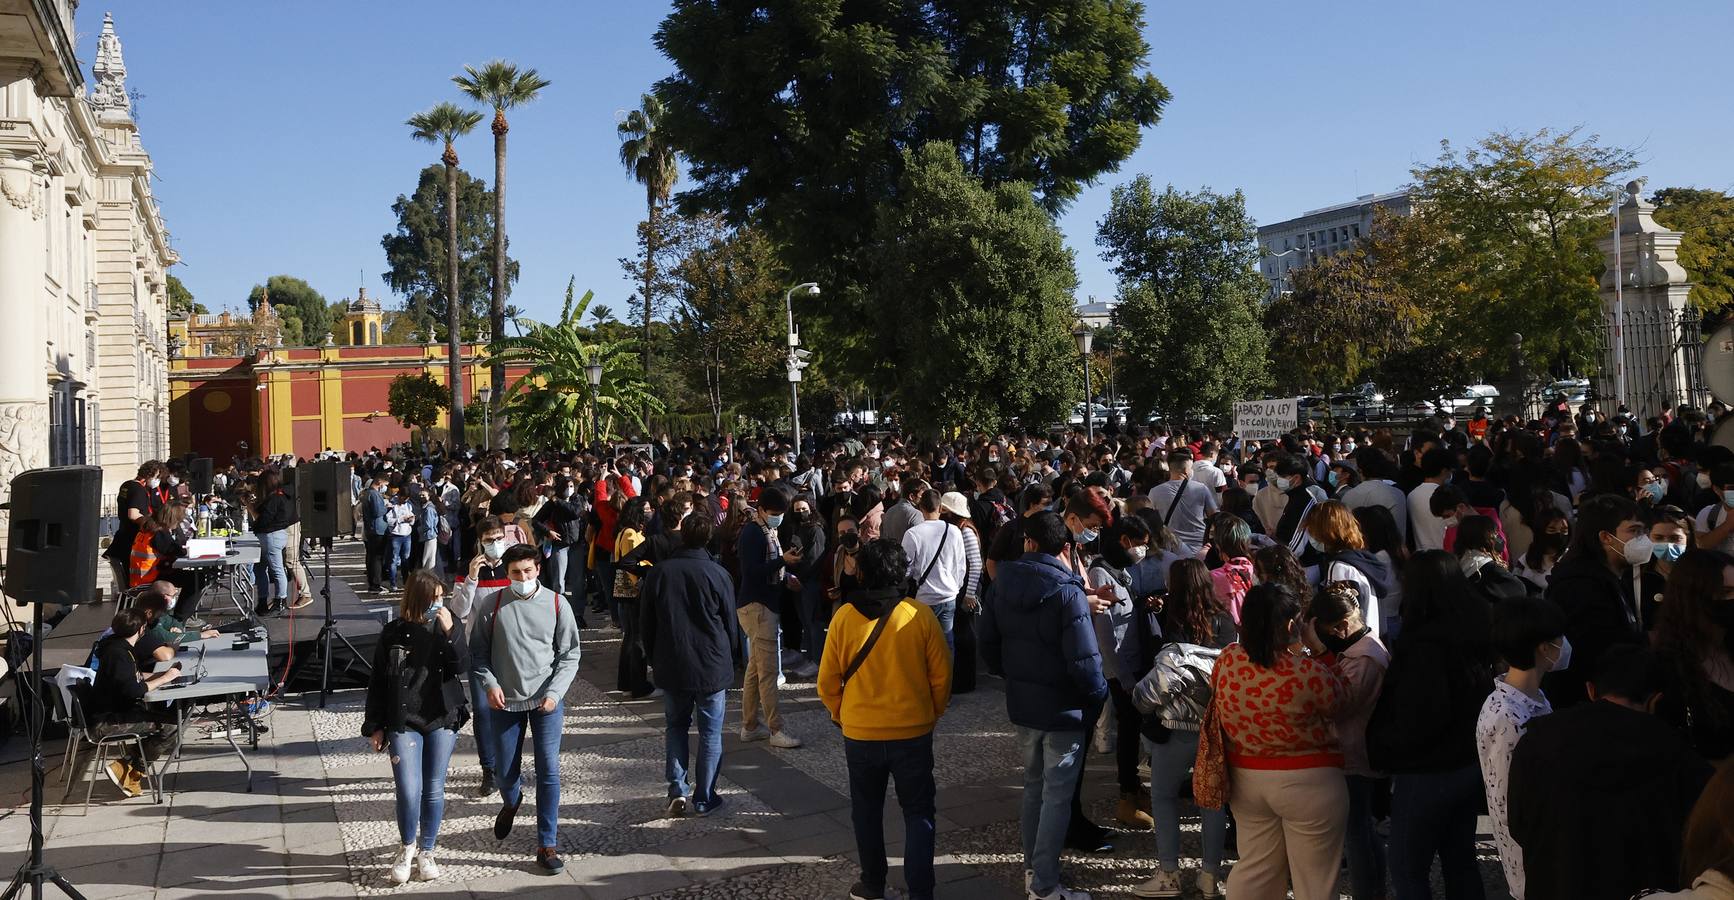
x=320, y=820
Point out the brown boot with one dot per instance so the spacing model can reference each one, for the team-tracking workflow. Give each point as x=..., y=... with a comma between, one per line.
x=1130, y=815
x=1142, y=798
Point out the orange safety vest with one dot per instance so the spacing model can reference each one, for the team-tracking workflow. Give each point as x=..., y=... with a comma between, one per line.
x=145, y=560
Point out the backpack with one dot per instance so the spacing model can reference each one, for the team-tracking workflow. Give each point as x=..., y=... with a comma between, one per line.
x=1001, y=514
x=1177, y=688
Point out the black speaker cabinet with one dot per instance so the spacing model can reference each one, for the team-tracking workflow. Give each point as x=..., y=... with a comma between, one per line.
x=51, y=541
x=199, y=475
x=322, y=489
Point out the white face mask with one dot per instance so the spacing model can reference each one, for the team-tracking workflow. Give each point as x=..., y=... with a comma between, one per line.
x=1138, y=553
x=173, y=481
x=525, y=588
x=1639, y=550
x=156, y=483
x=1564, y=659
x=1703, y=481
x=494, y=549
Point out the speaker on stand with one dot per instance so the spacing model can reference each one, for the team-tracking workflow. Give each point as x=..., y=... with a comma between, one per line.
x=326, y=512
x=50, y=558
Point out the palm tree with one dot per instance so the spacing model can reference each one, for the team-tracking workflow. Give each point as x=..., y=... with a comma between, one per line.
x=550, y=403
x=443, y=124
x=651, y=160
x=499, y=84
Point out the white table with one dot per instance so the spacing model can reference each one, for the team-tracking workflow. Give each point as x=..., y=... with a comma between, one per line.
x=231, y=572
x=229, y=676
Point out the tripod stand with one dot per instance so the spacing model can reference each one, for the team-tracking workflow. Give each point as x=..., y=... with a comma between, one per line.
x=326, y=633
x=35, y=872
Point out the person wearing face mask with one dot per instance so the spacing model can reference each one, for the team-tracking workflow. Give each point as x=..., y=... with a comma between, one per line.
x=1422, y=730
x=763, y=575
x=1593, y=584
x=1336, y=616
x=938, y=561
x=562, y=518
x=1426, y=527
x=842, y=568
x=1123, y=545
x=1670, y=538
x=1715, y=523
x=802, y=528
x=1529, y=634
x=1477, y=547
x=1600, y=792
x=524, y=650
x=137, y=501
x=475, y=589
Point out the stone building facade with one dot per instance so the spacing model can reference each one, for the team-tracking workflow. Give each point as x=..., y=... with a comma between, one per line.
x=83, y=257
x=1294, y=243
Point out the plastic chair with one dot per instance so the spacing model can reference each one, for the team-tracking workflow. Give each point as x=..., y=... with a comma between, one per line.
x=74, y=734
x=102, y=745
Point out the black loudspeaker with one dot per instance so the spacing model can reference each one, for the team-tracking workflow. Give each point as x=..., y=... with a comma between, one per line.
x=199, y=475
x=51, y=543
x=322, y=489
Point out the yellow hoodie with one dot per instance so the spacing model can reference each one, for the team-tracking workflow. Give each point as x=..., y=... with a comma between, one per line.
x=904, y=685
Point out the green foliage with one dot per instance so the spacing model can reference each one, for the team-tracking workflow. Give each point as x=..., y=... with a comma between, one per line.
x=500, y=85
x=415, y=253
x=416, y=401
x=797, y=116
x=442, y=124
x=1189, y=298
x=975, y=299
x=306, y=316
x=181, y=300
x=550, y=405
x=1515, y=221
x=1338, y=323
x=728, y=318
x=1707, y=250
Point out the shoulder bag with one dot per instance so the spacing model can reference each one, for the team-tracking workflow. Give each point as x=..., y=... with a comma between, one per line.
x=1210, y=767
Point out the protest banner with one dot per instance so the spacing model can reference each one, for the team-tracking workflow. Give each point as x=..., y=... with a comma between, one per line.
x=1265, y=420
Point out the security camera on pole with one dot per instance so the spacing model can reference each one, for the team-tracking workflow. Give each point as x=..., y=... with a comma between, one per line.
x=797, y=358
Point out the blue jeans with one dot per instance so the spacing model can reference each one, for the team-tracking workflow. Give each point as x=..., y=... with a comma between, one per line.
x=678, y=708
x=909, y=763
x=418, y=764
x=395, y=572
x=554, y=572
x=1169, y=765
x=946, y=613
x=1053, y=763
x=1434, y=813
x=1366, y=852
x=269, y=575
x=508, y=730
x=480, y=713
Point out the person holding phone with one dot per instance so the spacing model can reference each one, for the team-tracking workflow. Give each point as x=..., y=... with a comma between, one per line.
x=116, y=701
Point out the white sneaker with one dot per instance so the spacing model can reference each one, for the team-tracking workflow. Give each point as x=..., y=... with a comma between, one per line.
x=1208, y=885
x=1060, y=893
x=757, y=734
x=425, y=867
x=1161, y=884
x=782, y=680
x=400, y=865
x=678, y=807
x=783, y=740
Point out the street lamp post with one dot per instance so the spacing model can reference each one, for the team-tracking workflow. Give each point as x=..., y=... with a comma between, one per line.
x=1084, y=336
x=797, y=358
x=485, y=394
x=593, y=374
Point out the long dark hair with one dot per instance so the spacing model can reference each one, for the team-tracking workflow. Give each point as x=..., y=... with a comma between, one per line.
x=1265, y=617
x=1279, y=566
x=1599, y=514
x=1191, y=608
x=1437, y=598
x=1685, y=628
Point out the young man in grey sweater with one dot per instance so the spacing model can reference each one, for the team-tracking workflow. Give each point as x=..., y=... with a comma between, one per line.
x=524, y=650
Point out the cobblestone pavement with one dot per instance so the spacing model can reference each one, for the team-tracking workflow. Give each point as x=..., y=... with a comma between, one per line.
x=321, y=821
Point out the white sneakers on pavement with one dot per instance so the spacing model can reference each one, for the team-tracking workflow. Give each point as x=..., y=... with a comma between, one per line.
x=783, y=740
x=1060, y=893
x=400, y=865
x=1161, y=884
x=760, y=733
x=425, y=867
x=1209, y=886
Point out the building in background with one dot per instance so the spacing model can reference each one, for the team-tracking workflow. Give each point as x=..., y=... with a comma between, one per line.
x=83, y=257
x=1294, y=243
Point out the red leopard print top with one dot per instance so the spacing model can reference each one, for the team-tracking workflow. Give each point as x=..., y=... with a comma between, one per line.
x=1280, y=717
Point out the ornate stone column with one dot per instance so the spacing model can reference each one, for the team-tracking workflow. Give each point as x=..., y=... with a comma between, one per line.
x=23, y=388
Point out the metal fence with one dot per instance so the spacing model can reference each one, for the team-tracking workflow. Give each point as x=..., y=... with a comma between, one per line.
x=1664, y=352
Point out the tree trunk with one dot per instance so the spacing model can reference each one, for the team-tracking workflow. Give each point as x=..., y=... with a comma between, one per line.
x=497, y=316
x=650, y=238
x=454, y=320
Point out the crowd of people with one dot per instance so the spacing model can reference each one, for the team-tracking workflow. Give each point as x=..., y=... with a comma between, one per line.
x=1343, y=646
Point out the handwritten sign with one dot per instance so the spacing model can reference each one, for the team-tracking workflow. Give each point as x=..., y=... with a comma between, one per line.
x=1265, y=420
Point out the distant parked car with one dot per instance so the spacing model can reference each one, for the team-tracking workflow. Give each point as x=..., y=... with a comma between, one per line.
x=1098, y=413
x=1472, y=396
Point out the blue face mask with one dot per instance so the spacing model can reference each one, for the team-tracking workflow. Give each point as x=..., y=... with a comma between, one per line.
x=1728, y=497
x=774, y=521
x=1331, y=477
x=1668, y=552
x=1655, y=490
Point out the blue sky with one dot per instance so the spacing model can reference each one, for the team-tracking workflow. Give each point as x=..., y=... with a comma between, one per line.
x=278, y=135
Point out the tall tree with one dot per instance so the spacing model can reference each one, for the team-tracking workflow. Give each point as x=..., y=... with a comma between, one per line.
x=978, y=284
x=1189, y=297
x=415, y=402
x=727, y=326
x=797, y=116
x=443, y=124
x=651, y=160
x=181, y=300
x=501, y=85
x=306, y=316
x=417, y=264
x=1518, y=217
x=1707, y=250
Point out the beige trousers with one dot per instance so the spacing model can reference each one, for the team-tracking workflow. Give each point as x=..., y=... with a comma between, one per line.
x=759, y=685
x=1291, y=825
x=292, y=562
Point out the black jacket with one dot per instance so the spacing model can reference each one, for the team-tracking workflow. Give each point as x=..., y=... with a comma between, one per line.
x=1598, y=613
x=1598, y=799
x=116, y=694
x=1497, y=584
x=276, y=513
x=414, y=684
x=687, y=623
x=1424, y=720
